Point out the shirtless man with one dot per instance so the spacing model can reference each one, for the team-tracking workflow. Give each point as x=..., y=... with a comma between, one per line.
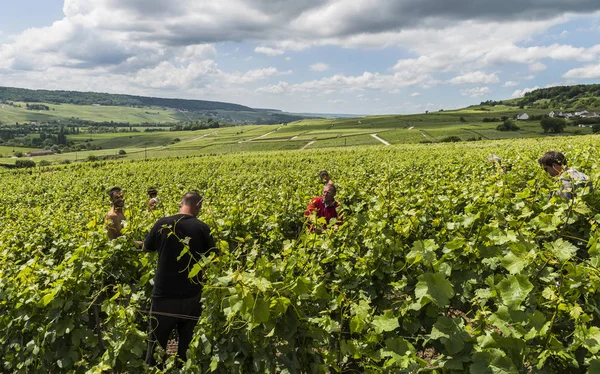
x=115, y=215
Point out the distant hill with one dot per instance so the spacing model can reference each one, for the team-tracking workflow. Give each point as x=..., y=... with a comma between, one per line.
x=186, y=110
x=567, y=98
x=92, y=98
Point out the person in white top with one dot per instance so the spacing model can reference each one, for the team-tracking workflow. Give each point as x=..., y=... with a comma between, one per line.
x=555, y=164
x=152, y=194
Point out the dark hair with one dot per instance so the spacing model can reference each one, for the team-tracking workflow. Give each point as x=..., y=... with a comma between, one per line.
x=323, y=173
x=192, y=198
x=113, y=190
x=552, y=157
x=152, y=191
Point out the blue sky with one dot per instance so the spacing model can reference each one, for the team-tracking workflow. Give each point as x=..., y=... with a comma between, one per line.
x=320, y=56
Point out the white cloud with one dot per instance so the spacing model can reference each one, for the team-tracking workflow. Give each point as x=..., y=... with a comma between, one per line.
x=251, y=75
x=415, y=94
x=269, y=51
x=338, y=101
x=586, y=72
x=510, y=84
x=520, y=93
x=281, y=87
x=319, y=67
x=153, y=46
x=476, y=77
x=343, y=83
x=537, y=66
x=475, y=92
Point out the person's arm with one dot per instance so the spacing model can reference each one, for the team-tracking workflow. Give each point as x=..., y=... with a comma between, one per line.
x=150, y=244
x=310, y=208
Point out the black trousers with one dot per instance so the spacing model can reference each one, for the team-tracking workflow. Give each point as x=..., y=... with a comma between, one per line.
x=162, y=323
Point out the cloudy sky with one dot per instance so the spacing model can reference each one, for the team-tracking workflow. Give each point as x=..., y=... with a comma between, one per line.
x=325, y=56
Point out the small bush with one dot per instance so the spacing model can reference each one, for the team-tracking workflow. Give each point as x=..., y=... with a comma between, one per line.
x=45, y=163
x=596, y=128
x=65, y=162
x=507, y=125
x=18, y=154
x=25, y=163
x=122, y=152
x=93, y=158
x=451, y=139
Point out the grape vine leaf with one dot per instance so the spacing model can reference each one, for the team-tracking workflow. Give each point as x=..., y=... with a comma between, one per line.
x=562, y=249
x=514, y=290
x=385, y=322
x=433, y=288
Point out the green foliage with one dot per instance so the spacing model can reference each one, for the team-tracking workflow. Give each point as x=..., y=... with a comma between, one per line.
x=25, y=163
x=451, y=139
x=596, y=128
x=508, y=125
x=553, y=124
x=576, y=97
x=450, y=266
x=91, y=98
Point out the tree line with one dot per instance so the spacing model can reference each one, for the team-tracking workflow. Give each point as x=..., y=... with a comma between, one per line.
x=91, y=98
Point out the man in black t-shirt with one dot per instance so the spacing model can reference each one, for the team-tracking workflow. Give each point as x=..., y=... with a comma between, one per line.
x=175, y=297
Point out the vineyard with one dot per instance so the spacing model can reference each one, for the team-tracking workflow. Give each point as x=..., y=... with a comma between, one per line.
x=443, y=263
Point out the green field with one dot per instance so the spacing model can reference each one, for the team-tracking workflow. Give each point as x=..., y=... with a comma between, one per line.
x=64, y=112
x=122, y=114
x=467, y=124
x=442, y=262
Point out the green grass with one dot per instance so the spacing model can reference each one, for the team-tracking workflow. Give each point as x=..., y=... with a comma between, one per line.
x=324, y=133
x=6, y=151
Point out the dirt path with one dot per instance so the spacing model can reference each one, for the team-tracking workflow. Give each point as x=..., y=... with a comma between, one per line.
x=381, y=140
x=258, y=137
x=198, y=138
x=307, y=145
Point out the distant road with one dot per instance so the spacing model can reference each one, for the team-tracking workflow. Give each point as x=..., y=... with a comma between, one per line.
x=258, y=137
x=200, y=137
x=307, y=145
x=381, y=140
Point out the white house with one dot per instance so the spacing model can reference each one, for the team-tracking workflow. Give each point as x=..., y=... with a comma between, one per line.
x=523, y=117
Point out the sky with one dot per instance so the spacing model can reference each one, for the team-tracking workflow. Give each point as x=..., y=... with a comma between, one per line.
x=306, y=56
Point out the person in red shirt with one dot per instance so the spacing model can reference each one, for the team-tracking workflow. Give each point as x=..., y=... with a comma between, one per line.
x=324, y=206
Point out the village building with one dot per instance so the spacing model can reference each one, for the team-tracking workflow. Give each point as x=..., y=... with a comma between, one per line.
x=39, y=153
